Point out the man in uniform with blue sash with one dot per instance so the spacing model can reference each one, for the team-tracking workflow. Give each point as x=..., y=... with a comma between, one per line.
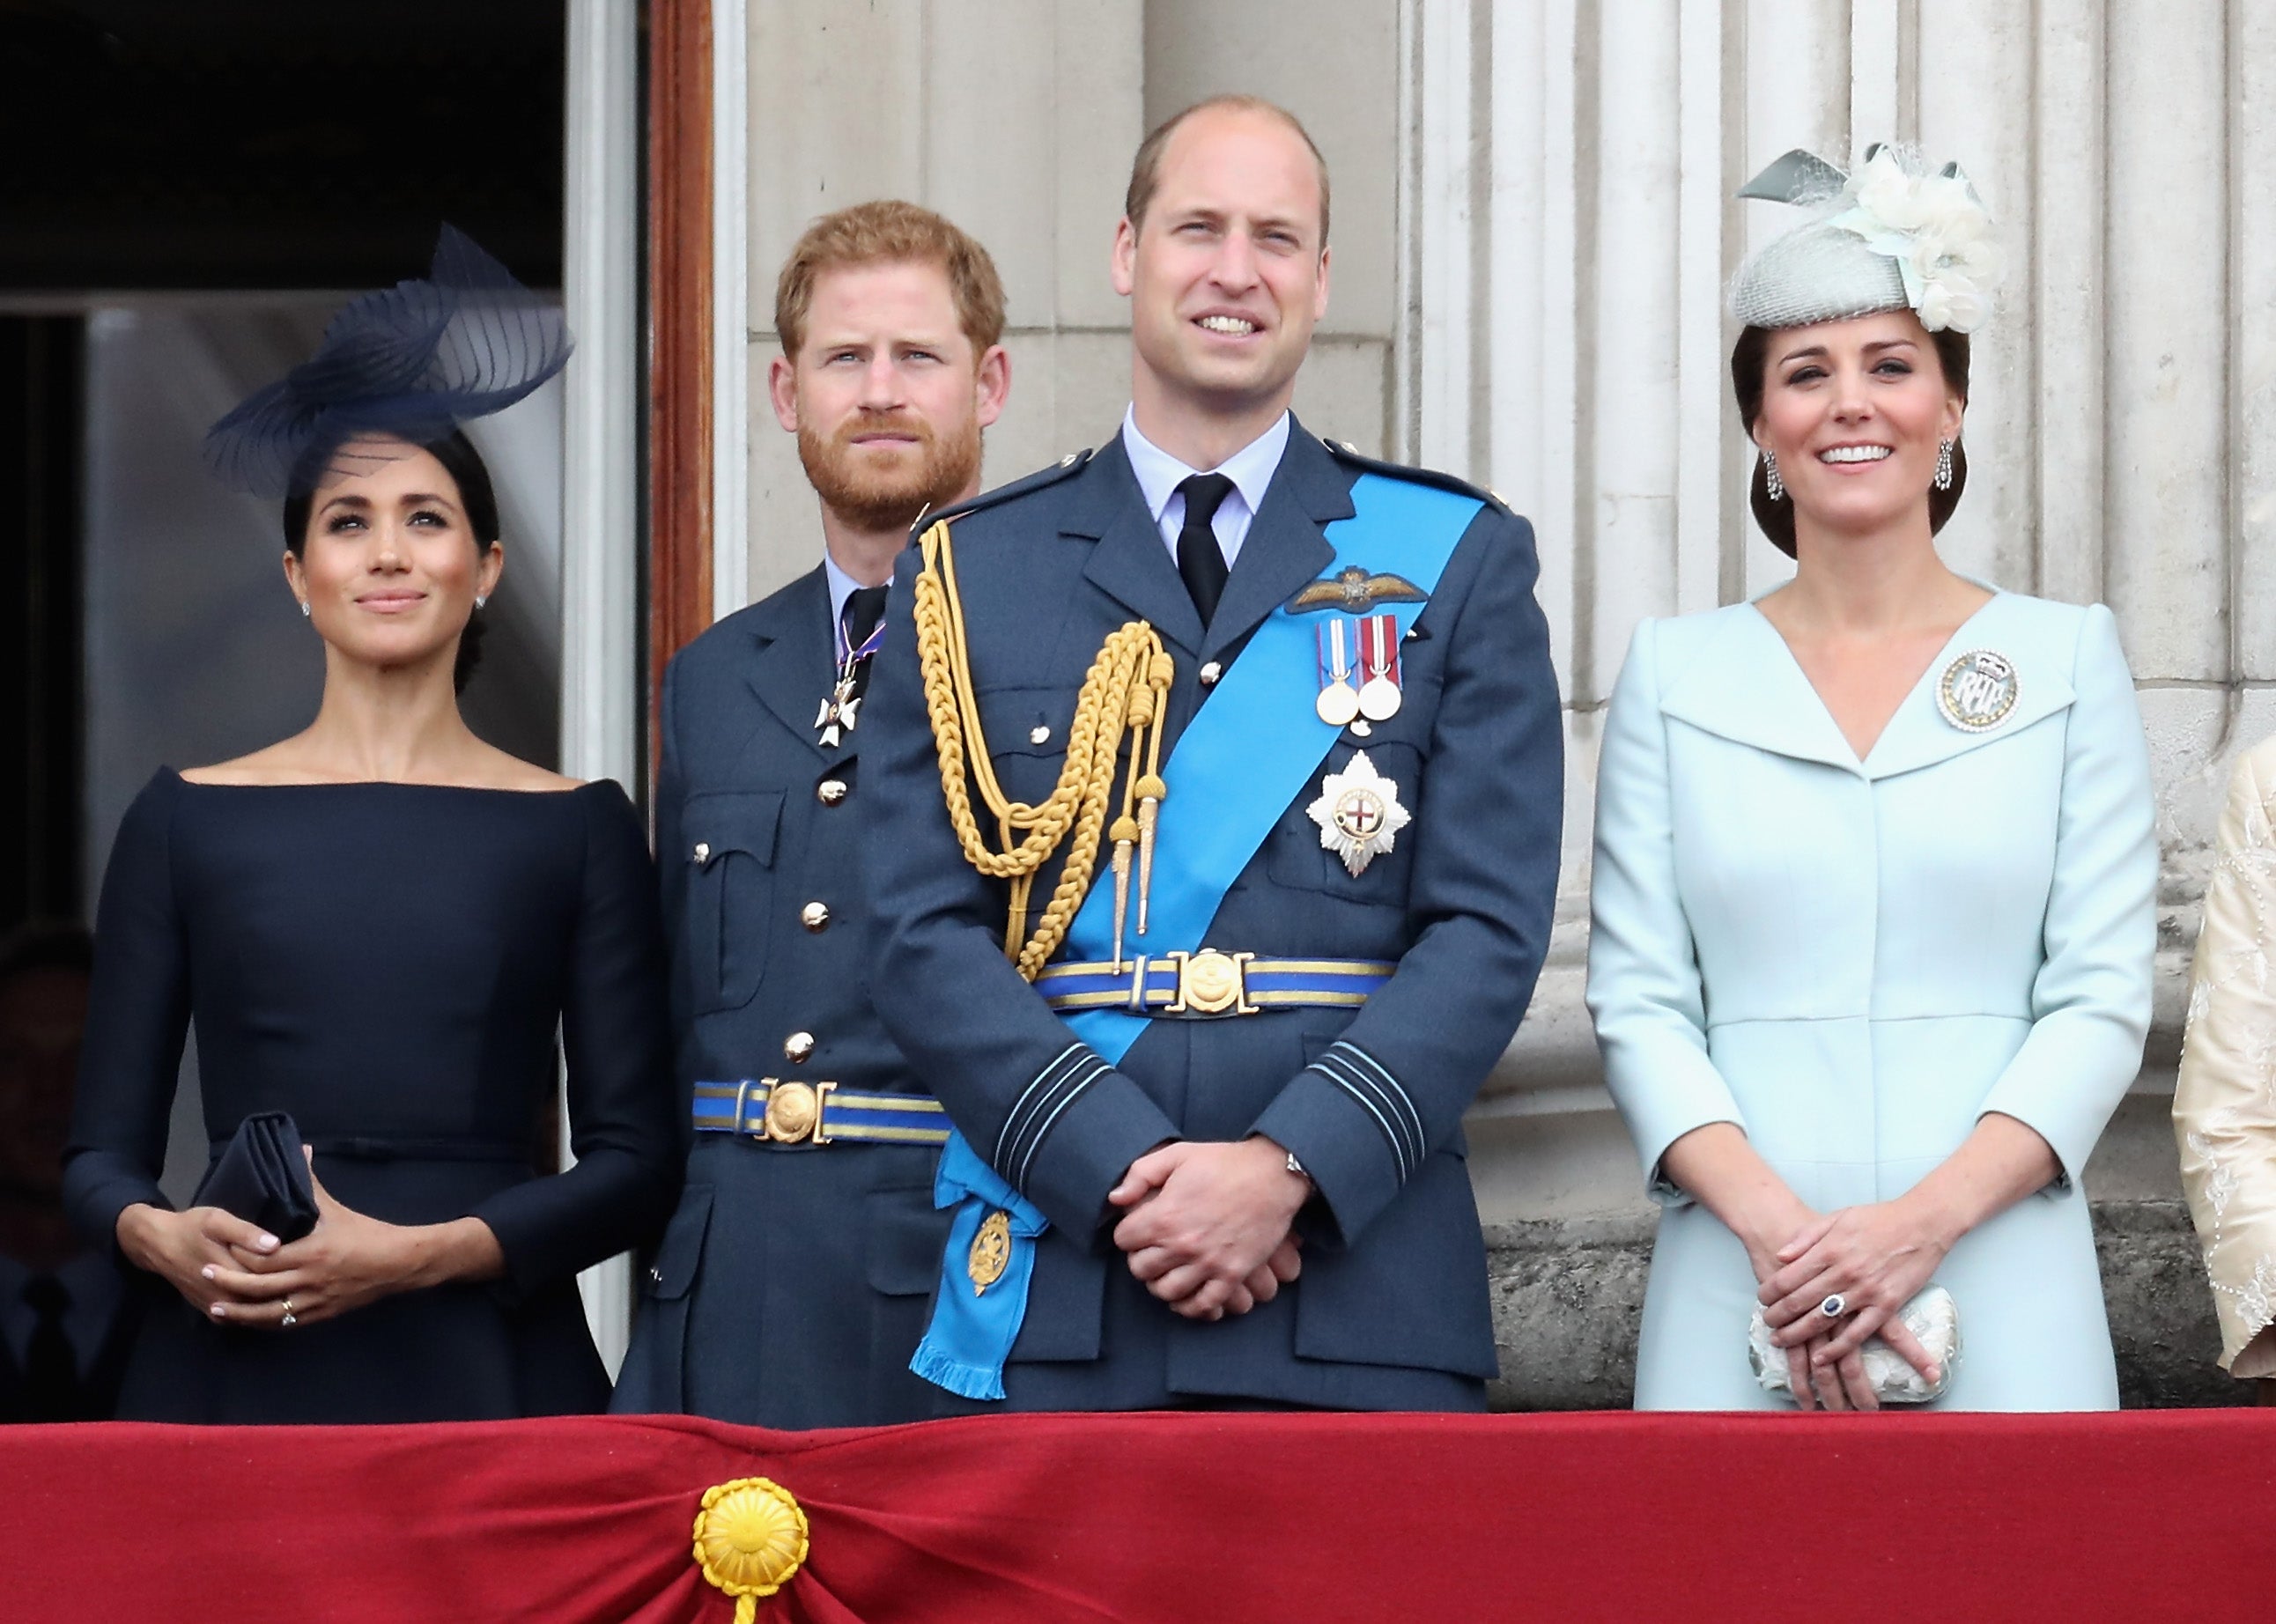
x=790, y=1287
x=1215, y=799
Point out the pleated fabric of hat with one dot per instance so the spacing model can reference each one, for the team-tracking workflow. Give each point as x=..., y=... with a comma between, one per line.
x=1894, y=235
x=411, y=362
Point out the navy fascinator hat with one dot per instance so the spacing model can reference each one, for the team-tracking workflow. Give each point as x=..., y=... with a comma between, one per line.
x=412, y=362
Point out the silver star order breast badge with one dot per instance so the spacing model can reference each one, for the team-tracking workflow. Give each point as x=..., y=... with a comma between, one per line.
x=1358, y=813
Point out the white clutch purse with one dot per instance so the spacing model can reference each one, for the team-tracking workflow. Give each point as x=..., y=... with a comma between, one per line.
x=1932, y=1316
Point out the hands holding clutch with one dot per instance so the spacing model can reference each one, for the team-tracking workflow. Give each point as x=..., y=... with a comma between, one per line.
x=269, y=1250
x=1863, y=1263
x=1847, y=1276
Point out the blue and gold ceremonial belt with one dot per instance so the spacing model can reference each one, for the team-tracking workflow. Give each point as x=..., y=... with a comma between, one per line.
x=1209, y=983
x=791, y=1113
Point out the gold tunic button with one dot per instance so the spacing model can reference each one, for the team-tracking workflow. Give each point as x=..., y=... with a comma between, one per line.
x=703, y=851
x=1210, y=672
x=830, y=792
x=1039, y=735
x=797, y=1047
x=815, y=916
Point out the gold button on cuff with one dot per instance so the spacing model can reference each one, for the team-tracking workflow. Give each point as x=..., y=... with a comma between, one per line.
x=797, y=1046
x=815, y=916
x=1210, y=672
x=830, y=792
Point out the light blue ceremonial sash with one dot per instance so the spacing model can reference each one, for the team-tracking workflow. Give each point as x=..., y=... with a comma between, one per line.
x=1245, y=756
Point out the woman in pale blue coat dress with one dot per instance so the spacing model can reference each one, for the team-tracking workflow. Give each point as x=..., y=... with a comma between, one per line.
x=1873, y=913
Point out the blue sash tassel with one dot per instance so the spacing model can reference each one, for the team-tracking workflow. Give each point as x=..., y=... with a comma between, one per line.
x=971, y=1333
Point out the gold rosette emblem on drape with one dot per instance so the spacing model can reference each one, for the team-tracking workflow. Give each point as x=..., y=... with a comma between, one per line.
x=750, y=1537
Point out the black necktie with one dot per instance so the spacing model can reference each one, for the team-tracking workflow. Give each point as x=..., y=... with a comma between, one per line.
x=50, y=1367
x=1200, y=559
x=865, y=606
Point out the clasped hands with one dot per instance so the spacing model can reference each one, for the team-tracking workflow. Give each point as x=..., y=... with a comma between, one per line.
x=237, y=1274
x=1875, y=1257
x=1207, y=1225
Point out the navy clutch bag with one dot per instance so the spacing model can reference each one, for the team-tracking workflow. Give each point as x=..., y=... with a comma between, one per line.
x=263, y=1177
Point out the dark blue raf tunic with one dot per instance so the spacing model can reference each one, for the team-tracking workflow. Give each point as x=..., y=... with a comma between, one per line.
x=791, y=1287
x=1390, y=1311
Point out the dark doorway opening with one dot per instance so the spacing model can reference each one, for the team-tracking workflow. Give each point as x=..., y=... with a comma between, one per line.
x=41, y=384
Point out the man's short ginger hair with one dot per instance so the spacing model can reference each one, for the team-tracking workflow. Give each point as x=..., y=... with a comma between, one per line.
x=1146, y=167
x=891, y=232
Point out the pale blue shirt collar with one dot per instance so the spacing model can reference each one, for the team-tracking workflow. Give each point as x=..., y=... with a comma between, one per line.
x=1250, y=469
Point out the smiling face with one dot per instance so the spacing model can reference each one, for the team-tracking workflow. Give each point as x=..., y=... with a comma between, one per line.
x=390, y=565
x=886, y=395
x=1855, y=411
x=1226, y=272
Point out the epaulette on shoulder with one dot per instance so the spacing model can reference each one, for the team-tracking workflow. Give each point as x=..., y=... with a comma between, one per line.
x=1344, y=450
x=1066, y=466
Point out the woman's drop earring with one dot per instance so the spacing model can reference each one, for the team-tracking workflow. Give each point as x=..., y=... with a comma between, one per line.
x=1771, y=479
x=305, y=610
x=481, y=598
x=1944, y=465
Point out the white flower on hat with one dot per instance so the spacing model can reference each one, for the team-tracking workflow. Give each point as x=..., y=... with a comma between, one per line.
x=1938, y=231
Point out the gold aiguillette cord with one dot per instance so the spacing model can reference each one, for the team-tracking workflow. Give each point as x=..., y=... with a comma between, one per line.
x=1122, y=694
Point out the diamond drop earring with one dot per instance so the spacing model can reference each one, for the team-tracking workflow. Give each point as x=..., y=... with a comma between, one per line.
x=1944, y=465
x=1771, y=476
x=305, y=610
x=481, y=598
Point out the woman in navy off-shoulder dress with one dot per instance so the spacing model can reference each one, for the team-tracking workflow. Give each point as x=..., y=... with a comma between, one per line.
x=380, y=925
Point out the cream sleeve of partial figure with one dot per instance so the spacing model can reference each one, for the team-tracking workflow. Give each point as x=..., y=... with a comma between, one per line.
x=2225, y=1100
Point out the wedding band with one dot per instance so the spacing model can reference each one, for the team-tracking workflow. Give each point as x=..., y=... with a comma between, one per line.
x=291, y=1319
x=1834, y=1306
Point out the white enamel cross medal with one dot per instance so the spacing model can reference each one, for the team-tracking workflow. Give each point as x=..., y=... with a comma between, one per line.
x=1358, y=813
x=838, y=711
x=842, y=707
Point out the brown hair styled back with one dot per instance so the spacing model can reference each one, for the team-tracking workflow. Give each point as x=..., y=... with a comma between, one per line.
x=1750, y=359
x=1146, y=167
x=891, y=232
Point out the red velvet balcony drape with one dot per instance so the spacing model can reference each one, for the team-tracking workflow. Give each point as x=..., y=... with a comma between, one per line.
x=1253, y=1518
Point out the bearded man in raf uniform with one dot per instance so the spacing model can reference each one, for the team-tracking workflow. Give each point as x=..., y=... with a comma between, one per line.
x=790, y=1287
x=1215, y=787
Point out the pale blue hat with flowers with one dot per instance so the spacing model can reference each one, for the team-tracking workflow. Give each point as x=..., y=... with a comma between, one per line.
x=1892, y=235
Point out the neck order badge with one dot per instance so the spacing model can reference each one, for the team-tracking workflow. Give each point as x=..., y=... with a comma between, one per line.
x=1244, y=758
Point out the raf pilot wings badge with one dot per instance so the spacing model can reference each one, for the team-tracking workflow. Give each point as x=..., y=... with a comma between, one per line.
x=1355, y=591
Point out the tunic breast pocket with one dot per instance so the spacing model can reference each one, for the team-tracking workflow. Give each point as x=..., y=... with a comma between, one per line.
x=1027, y=742
x=1296, y=855
x=731, y=835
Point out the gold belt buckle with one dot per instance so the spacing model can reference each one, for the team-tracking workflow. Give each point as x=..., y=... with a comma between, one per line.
x=794, y=1111
x=1211, y=983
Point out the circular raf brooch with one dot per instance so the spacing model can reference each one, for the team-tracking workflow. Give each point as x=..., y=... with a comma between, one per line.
x=1977, y=691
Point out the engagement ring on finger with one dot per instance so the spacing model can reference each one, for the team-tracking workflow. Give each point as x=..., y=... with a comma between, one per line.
x=1834, y=1306
x=291, y=1319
